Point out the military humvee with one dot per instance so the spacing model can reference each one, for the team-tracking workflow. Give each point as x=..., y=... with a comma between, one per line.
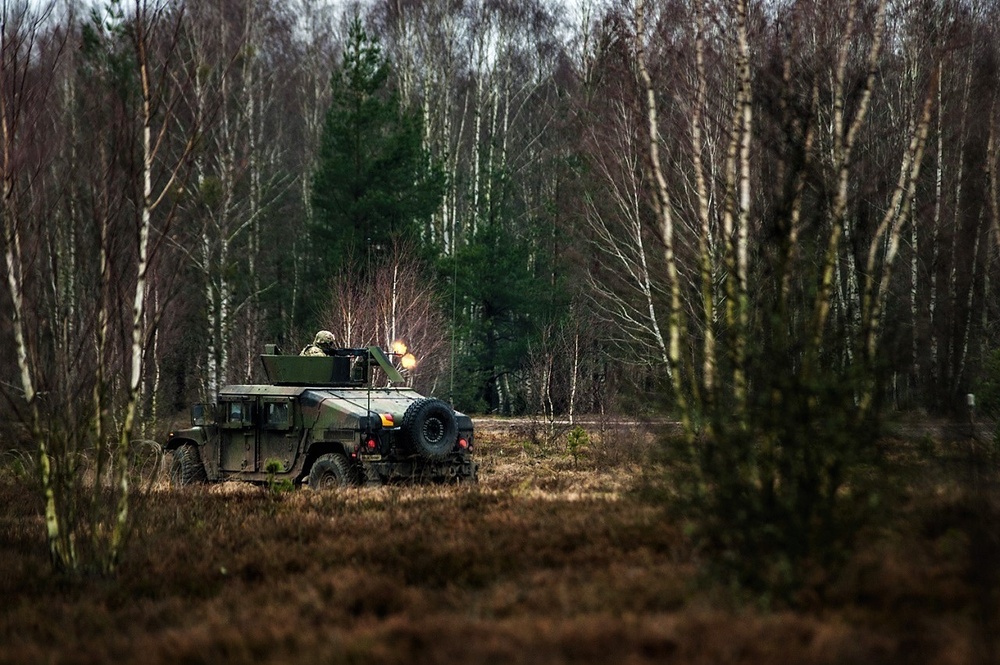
x=322, y=421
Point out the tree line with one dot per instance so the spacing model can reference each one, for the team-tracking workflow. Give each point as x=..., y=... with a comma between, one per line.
x=620, y=206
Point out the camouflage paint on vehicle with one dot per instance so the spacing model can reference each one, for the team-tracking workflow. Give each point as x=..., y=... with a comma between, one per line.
x=323, y=418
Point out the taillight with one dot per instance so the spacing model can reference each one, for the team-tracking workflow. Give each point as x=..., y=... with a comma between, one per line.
x=463, y=444
x=371, y=444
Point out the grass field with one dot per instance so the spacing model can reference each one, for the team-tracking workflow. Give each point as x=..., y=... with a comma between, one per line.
x=551, y=558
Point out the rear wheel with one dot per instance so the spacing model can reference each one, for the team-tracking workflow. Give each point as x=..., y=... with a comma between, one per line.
x=330, y=471
x=186, y=468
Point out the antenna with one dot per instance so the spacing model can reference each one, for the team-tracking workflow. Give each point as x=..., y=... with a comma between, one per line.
x=454, y=307
x=369, y=374
x=368, y=377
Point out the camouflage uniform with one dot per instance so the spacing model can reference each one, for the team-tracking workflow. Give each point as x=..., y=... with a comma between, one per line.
x=322, y=345
x=312, y=350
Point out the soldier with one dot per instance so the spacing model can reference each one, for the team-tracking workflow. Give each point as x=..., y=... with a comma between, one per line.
x=322, y=345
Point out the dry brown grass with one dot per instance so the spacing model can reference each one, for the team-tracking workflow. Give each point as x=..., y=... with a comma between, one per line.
x=547, y=560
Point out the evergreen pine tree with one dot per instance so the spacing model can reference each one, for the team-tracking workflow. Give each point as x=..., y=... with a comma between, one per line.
x=505, y=299
x=375, y=181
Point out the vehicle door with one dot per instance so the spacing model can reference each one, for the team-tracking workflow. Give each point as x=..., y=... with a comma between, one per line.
x=238, y=435
x=278, y=435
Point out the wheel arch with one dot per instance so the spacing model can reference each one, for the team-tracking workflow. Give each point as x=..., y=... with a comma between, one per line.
x=320, y=448
x=199, y=436
x=176, y=442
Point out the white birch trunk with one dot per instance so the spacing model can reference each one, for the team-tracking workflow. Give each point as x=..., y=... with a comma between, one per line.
x=59, y=534
x=953, y=295
x=843, y=146
x=138, y=305
x=476, y=151
x=574, y=376
x=61, y=550
x=935, y=235
x=969, y=300
x=889, y=230
x=625, y=248
x=662, y=206
x=709, y=362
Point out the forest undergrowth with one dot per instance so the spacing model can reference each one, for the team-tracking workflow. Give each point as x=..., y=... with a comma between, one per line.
x=558, y=555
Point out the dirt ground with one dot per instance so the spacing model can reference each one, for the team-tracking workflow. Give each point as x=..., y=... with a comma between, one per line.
x=554, y=557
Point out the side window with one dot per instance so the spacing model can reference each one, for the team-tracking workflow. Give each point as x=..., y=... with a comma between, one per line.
x=236, y=414
x=277, y=415
x=199, y=416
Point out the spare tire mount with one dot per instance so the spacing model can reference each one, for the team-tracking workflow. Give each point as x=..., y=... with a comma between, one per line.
x=430, y=427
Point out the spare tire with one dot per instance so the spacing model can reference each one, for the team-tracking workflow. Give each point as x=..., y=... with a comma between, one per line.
x=429, y=426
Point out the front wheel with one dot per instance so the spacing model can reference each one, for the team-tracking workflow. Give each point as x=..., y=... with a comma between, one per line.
x=186, y=468
x=329, y=471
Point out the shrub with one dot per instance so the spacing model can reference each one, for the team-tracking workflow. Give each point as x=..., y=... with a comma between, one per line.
x=275, y=486
x=774, y=502
x=576, y=441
